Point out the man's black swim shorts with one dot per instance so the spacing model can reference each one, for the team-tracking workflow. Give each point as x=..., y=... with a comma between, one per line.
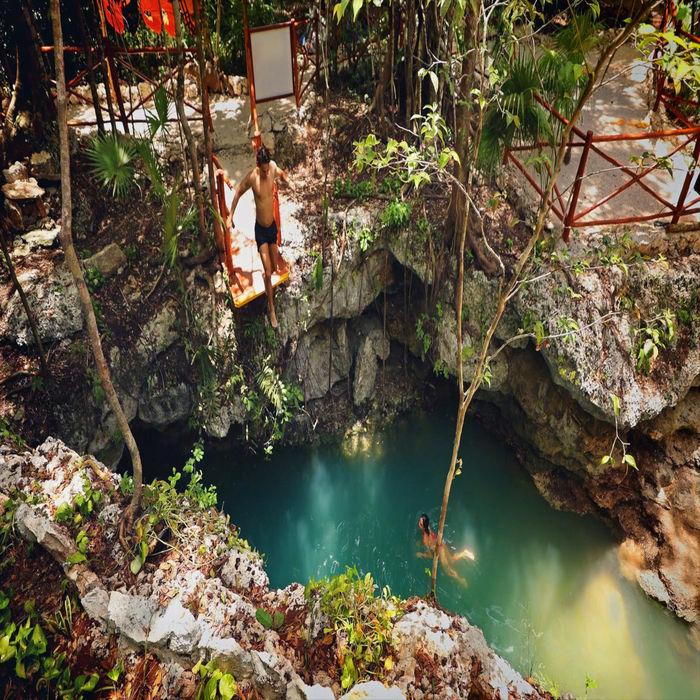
x=265, y=234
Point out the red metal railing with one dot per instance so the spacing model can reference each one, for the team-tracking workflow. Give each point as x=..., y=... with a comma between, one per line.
x=568, y=214
x=115, y=54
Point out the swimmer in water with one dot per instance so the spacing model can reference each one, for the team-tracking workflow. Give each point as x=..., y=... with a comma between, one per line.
x=447, y=556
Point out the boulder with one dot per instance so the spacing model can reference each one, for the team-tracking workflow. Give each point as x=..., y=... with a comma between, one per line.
x=366, y=366
x=17, y=171
x=175, y=627
x=108, y=261
x=53, y=298
x=164, y=406
x=131, y=616
x=244, y=570
x=310, y=366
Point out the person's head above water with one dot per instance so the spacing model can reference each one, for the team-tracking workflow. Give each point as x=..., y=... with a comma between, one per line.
x=424, y=523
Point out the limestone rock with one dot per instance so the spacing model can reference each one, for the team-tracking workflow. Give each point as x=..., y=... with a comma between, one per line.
x=16, y=172
x=131, y=616
x=176, y=628
x=54, y=300
x=366, y=366
x=244, y=570
x=310, y=365
x=38, y=528
x=96, y=604
x=373, y=690
x=218, y=420
x=108, y=261
x=164, y=406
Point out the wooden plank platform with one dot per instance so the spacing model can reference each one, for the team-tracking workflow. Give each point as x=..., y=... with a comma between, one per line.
x=247, y=281
x=246, y=278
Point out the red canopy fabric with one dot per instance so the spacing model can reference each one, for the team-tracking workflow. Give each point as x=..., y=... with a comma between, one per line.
x=150, y=10
x=113, y=14
x=159, y=15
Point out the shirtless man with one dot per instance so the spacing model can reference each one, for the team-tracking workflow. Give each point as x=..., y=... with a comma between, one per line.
x=447, y=556
x=261, y=180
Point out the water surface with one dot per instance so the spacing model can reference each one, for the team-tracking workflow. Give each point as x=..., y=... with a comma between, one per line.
x=545, y=587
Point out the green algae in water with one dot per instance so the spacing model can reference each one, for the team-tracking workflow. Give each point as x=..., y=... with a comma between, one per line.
x=545, y=587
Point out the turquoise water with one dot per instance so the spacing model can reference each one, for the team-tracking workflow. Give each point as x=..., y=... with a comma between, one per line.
x=545, y=587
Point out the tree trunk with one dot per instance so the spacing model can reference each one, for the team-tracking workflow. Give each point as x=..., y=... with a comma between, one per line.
x=457, y=210
x=74, y=263
x=91, y=72
x=378, y=105
x=506, y=290
x=39, y=83
x=180, y=106
x=200, y=25
x=23, y=298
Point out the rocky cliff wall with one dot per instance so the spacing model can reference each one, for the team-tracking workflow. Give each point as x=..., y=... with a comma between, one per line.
x=579, y=322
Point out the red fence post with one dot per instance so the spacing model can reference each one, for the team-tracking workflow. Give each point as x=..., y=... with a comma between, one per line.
x=569, y=218
x=686, y=183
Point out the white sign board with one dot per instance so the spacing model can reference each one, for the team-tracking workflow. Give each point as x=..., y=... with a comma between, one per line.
x=272, y=63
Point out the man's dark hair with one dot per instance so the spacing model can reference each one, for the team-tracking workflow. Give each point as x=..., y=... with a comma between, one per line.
x=262, y=156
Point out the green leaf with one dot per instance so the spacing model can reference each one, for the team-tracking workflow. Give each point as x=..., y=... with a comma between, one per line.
x=227, y=686
x=629, y=459
x=20, y=670
x=605, y=459
x=264, y=618
x=136, y=564
x=76, y=558
x=210, y=689
x=356, y=7
x=616, y=404
x=144, y=550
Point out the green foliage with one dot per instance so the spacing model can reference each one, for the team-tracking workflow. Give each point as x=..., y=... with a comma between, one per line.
x=413, y=165
x=111, y=161
x=282, y=400
x=557, y=74
x=362, y=620
x=317, y=274
x=84, y=505
x=24, y=644
x=158, y=120
x=94, y=279
x=215, y=684
x=8, y=435
x=269, y=621
x=680, y=58
x=152, y=167
x=164, y=505
x=353, y=190
x=396, y=214
x=132, y=253
x=652, y=336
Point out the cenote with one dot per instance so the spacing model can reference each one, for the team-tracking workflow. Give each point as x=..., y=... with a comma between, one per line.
x=545, y=588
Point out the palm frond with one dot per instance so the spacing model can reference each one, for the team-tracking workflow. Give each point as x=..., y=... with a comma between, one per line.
x=110, y=157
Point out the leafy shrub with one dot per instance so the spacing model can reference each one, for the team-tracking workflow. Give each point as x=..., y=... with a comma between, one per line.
x=396, y=214
x=363, y=622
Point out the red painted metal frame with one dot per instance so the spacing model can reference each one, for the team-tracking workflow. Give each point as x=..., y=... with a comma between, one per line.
x=115, y=54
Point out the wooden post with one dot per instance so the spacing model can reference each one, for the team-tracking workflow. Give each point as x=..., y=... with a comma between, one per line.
x=686, y=183
x=569, y=218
